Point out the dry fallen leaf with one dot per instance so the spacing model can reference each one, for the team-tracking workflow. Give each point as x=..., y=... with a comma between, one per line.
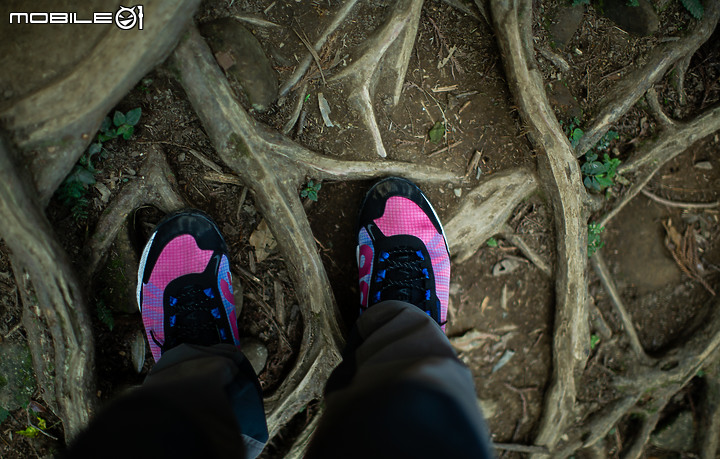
x=263, y=241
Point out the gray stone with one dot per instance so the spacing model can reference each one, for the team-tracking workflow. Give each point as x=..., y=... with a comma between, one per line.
x=564, y=23
x=17, y=378
x=137, y=351
x=256, y=353
x=242, y=58
x=704, y=165
x=638, y=20
x=677, y=435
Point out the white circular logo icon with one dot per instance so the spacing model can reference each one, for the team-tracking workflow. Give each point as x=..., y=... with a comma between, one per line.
x=126, y=18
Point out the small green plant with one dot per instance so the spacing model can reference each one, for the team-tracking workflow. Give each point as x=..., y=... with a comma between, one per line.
x=700, y=373
x=105, y=315
x=694, y=7
x=573, y=131
x=436, y=133
x=122, y=124
x=599, y=175
x=633, y=3
x=311, y=190
x=594, y=341
x=32, y=431
x=492, y=242
x=73, y=191
x=594, y=241
x=604, y=143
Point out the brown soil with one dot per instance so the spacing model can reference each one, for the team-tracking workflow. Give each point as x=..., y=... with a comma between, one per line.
x=480, y=116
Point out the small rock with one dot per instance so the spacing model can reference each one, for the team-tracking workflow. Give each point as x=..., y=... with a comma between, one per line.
x=256, y=353
x=238, y=294
x=458, y=192
x=503, y=360
x=505, y=266
x=488, y=407
x=242, y=57
x=639, y=20
x=565, y=23
x=137, y=351
x=704, y=165
x=676, y=435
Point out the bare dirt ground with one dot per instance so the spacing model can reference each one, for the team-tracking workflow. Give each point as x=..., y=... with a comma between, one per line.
x=502, y=323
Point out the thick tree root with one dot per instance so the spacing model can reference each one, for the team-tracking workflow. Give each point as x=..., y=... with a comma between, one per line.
x=273, y=167
x=391, y=44
x=632, y=87
x=35, y=250
x=155, y=185
x=53, y=126
x=709, y=425
x=561, y=175
x=653, y=156
x=485, y=210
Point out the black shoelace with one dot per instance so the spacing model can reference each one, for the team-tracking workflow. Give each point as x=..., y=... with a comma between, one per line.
x=402, y=274
x=195, y=316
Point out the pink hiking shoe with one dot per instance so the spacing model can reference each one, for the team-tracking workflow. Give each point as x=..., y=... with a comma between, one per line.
x=184, y=286
x=402, y=252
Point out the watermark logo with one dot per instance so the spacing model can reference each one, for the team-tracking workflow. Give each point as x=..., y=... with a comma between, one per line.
x=124, y=18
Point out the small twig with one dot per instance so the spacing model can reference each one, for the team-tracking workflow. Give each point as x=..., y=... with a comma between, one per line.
x=509, y=235
x=601, y=269
x=223, y=178
x=255, y=21
x=296, y=111
x=13, y=330
x=38, y=428
x=690, y=205
x=314, y=53
x=203, y=159
x=444, y=149
x=557, y=61
x=532, y=449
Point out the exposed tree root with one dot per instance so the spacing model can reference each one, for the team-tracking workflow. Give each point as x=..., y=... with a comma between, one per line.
x=652, y=156
x=390, y=46
x=35, y=250
x=273, y=167
x=598, y=264
x=632, y=87
x=155, y=185
x=53, y=126
x=485, y=210
x=709, y=425
x=561, y=175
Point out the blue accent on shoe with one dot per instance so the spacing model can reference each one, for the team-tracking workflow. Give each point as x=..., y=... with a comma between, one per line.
x=381, y=275
x=428, y=294
x=223, y=334
x=377, y=296
x=419, y=254
x=172, y=301
x=209, y=293
x=428, y=313
x=384, y=256
x=216, y=313
x=172, y=320
x=425, y=272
